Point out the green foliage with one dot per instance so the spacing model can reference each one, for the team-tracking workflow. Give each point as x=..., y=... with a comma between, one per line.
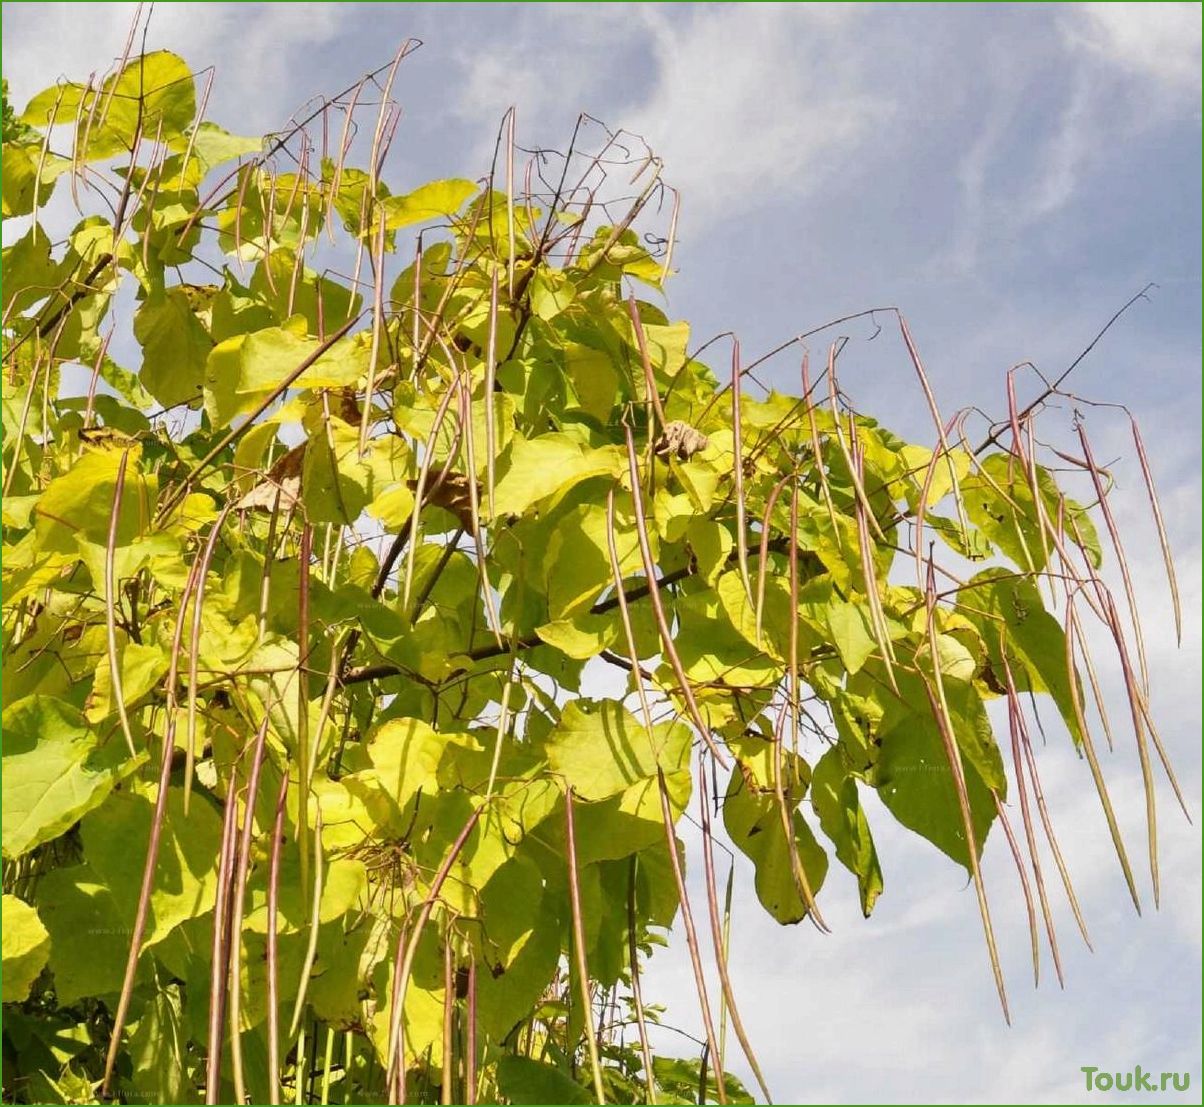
x=335, y=558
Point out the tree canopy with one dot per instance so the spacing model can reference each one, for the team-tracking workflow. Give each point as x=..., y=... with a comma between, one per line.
x=319, y=501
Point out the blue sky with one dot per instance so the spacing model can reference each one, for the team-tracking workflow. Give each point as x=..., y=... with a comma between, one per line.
x=1007, y=175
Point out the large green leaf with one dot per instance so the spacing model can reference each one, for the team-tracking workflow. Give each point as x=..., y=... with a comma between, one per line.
x=916, y=783
x=436, y=200
x=754, y=822
x=833, y=794
x=600, y=749
x=55, y=771
x=154, y=91
x=175, y=348
x=532, y=469
x=26, y=948
x=115, y=839
x=522, y=1080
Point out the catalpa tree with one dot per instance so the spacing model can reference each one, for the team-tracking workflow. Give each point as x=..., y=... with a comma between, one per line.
x=302, y=800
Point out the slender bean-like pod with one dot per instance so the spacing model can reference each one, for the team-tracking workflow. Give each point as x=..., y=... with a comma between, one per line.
x=1163, y=541
x=1136, y=699
x=510, y=122
x=218, y=967
x=327, y=1064
x=378, y=315
x=658, y=609
x=470, y=1036
x=940, y=712
x=587, y=1010
x=1075, y=626
x=616, y=575
x=478, y=531
x=763, y=559
x=637, y=997
x=1026, y=889
x=738, y=477
x=304, y=767
x=687, y=918
x=194, y=652
x=273, y=962
x=933, y=410
x=447, y=1093
x=116, y=693
x=717, y=936
x=156, y=834
x=1016, y=713
x=802, y=882
x=653, y=393
x=1030, y=835
x=490, y=399
x=424, y=470
x=395, y=1062
x=1097, y=774
x=1118, y=546
x=237, y=911
x=315, y=922
x=846, y=447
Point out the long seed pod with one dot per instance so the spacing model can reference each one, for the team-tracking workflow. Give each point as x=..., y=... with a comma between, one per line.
x=311, y=949
x=1163, y=541
x=1075, y=626
x=653, y=393
x=470, y=1036
x=273, y=940
x=424, y=470
x=219, y=974
x=763, y=559
x=1136, y=700
x=490, y=398
x=156, y=834
x=378, y=315
x=637, y=997
x=616, y=575
x=1101, y=496
x=691, y=934
x=1097, y=774
x=395, y=1061
x=447, y=1093
x=658, y=610
x=1017, y=714
x=855, y=475
x=940, y=712
x=194, y=653
x=942, y=434
x=1030, y=908
x=478, y=531
x=236, y=914
x=738, y=476
x=510, y=121
x=591, y=1038
x=116, y=693
x=802, y=882
x=1030, y=835
x=304, y=766
x=327, y=1064
x=717, y=938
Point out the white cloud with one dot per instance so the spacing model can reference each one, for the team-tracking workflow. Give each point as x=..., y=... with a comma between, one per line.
x=1158, y=44
x=256, y=49
x=753, y=100
x=743, y=102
